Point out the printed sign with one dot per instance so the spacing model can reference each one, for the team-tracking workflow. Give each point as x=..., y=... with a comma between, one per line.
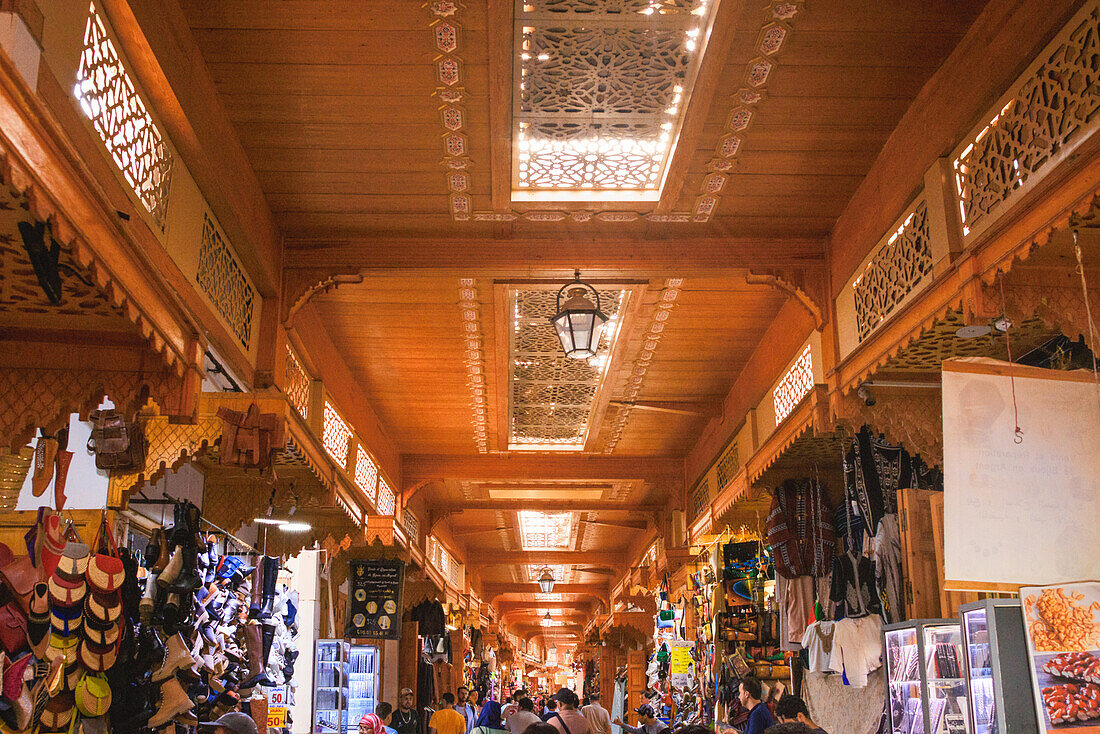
x=374, y=599
x=680, y=666
x=276, y=706
x=1063, y=641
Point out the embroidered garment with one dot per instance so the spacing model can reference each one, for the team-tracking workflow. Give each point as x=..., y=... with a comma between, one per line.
x=800, y=529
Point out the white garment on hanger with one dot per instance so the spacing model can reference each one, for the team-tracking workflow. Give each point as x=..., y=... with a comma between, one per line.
x=820, y=644
x=617, y=706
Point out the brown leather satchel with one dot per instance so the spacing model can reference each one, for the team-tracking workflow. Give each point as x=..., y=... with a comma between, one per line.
x=248, y=439
x=19, y=578
x=116, y=443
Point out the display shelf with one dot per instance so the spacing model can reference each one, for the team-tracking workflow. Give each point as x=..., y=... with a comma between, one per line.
x=999, y=689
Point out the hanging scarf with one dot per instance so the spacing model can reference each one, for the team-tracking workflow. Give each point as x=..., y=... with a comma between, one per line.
x=800, y=529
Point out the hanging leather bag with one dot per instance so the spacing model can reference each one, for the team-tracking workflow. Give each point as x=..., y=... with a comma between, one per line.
x=19, y=578
x=248, y=439
x=13, y=629
x=116, y=443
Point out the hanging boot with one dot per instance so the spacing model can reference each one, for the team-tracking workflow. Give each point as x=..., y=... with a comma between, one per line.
x=63, y=459
x=170, y=614
x=173, y=702
x=44, y=464
x=172, y=569
x=267, y=637
x=188, y=578
x=148, y=599
x=176, y=657
x=270, y=577
x=257, y=590
x=253, y=637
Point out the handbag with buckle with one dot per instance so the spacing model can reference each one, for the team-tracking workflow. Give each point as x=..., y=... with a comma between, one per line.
x=93, y=695
x=19, y=578
x=105, y=571
x=116, y=443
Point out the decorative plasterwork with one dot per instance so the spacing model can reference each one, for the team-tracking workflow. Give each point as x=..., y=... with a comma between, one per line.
x=541, y=530
x=445, y=34
x=552, y=396
x=666, y=301
x=473, y=357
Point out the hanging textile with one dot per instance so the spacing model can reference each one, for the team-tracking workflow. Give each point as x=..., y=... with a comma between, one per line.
x=888, y=574
x=800, y=529
x=617, y=706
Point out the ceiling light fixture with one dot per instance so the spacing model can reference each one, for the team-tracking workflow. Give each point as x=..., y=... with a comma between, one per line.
x=579, y=322
x=295, y=527
x=269, y=521
x=546, y=617
x=546, y=583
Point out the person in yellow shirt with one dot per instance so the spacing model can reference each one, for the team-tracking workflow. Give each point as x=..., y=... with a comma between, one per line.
x=446, y=720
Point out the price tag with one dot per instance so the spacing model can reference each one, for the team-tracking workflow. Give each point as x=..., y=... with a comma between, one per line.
x=276, y=706
x=956, y=723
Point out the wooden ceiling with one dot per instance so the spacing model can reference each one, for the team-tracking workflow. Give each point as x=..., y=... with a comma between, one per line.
x=333, y=101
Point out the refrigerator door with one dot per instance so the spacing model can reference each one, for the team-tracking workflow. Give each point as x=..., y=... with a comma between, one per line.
x=362, y=684
x=903, y=681
x=980, y=666
x=330, y=686
x=946, y=678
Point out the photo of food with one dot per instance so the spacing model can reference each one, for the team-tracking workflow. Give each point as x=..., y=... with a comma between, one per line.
x=1061, y=620
x=1069, y=686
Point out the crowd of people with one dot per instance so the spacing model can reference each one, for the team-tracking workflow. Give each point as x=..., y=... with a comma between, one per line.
x=565, y=713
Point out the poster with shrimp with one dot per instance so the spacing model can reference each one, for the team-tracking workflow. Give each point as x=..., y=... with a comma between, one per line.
x=1063, y=639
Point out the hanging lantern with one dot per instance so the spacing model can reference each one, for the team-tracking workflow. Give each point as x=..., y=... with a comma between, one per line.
x=579, y=321
x=546, y=581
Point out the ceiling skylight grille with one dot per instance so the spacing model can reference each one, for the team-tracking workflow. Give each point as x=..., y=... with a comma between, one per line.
x=540, y=530
x=552, y=396
x=601, y=88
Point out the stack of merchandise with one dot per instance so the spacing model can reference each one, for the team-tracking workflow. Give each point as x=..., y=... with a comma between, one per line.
x=61, y=625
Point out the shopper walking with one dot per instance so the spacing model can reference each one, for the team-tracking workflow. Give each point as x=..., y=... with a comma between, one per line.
x=599, y=721
x=511, y=707
x=549, y=709
x=523, y=716
x=488, y=721
x=464, y=707
x=568, y=720
x=750, y=694
x=446, y=720
x=791, y=709
x=405, y=719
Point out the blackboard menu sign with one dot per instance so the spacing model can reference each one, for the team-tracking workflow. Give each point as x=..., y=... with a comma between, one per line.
x=374, y=599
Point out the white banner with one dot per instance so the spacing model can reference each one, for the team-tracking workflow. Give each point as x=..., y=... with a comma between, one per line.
x=1024, y=512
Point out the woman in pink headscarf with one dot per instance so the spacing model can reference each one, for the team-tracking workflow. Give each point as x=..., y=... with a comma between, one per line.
x=371, y=724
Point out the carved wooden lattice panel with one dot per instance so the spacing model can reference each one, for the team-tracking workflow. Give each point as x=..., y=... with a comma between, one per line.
x=601, y=86
x=366, y=473
x=108, y=97
x=223, y=280
x=335, y=435
x=1053, y=108
x=727, y=466
x=894, y=272
x=794, y=386
x=700, y=497
x=297, y=384
x=411, y=524
x=387, y=502
x=927, y=352
x=552, y=395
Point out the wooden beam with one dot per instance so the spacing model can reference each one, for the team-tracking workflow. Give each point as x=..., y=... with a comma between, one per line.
x=416, y=467
x=600, y=559
x=676, y=407
x=559, y=253
x=549, y=505
x=493, y=590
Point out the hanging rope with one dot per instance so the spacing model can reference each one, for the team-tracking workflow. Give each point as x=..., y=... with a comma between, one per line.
x=1018, y=433
x=1088, y=312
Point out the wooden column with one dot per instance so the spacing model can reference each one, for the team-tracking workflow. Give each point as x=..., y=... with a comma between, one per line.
x=458, y=654
x=408, y=663
x=635, y=679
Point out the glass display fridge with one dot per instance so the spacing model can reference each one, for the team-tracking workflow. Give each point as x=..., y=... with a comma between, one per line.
x=362, y=684
x=345, y=685
x=330, y=687
x=1001, y=697
x=926, y=677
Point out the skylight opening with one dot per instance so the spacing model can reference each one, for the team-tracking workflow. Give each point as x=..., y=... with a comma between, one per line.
x=546, y=530
x=602, y=86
